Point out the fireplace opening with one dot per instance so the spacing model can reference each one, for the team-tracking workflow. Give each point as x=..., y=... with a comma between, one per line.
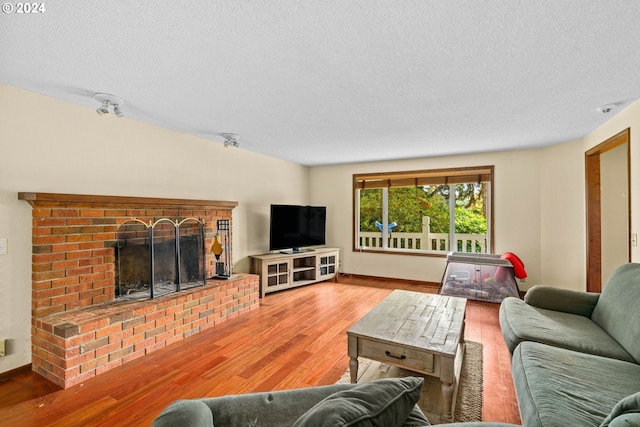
x=159, y=257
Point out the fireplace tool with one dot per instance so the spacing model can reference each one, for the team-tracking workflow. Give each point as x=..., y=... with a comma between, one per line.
x=221, y=249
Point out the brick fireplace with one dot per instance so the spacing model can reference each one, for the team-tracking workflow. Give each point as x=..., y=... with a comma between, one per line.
x=79, y=329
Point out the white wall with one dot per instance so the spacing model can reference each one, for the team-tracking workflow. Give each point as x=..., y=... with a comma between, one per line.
x=516, y=212
x=48, y=145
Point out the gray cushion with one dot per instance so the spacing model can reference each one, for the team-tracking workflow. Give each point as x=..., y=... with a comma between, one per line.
x=617, y=308
x=416, y=418
x=556, y=386
x=520, y=322
x=481, y=424
x=387, y=402
x=558, y=299
x=182, y=413
x=626, y=420
x=625, y=413
x=268, y=409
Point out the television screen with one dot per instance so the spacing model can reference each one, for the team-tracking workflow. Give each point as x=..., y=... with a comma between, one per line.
x=295, y=227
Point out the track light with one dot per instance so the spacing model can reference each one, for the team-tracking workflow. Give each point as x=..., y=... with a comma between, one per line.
x=117, y=111
x=104, y=109
x=230, y=139
x=108, y=100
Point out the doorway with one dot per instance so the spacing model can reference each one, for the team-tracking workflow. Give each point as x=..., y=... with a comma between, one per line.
x=607, y=168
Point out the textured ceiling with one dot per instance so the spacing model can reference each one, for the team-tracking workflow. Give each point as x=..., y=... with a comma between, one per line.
x=327, y=81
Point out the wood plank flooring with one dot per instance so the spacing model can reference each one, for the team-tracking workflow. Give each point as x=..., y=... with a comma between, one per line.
x=296, y=338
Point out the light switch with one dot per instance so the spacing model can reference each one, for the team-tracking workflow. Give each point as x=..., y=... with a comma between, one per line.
x=4, y=248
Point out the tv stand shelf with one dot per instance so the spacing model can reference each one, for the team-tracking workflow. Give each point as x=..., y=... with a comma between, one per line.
x=280, y=271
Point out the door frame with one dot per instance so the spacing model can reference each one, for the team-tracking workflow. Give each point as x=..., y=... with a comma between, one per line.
x=593, y=206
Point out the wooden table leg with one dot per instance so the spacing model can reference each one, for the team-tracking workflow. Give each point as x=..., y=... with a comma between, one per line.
x=448, y=379
x=447, y=400
x=353, y=369
x=352, y=351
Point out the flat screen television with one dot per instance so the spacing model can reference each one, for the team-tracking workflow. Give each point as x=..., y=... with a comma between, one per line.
x=295, y=227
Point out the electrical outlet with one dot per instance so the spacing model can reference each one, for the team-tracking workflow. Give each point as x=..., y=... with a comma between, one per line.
x=2, y=348
x=4, y=246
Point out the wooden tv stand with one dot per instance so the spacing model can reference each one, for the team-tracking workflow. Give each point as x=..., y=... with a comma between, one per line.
x=279, y=271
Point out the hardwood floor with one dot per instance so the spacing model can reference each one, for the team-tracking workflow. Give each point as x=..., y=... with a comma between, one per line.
x=296, y=338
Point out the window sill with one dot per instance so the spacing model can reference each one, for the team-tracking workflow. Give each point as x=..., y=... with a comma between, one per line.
x=413, y=252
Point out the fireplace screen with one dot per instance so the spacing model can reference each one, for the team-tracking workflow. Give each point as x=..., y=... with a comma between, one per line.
x=160, y=257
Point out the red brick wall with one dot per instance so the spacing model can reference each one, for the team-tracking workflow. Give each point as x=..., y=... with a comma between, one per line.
x=71, y=347
x=73, y=255
x=74, y=334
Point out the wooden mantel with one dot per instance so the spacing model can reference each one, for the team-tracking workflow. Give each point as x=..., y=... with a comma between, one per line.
x=86, y=200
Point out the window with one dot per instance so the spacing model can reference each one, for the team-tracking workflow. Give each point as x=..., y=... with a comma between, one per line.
x=428, y=212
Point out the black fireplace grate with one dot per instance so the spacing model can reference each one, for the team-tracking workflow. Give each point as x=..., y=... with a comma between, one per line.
x=159, y=257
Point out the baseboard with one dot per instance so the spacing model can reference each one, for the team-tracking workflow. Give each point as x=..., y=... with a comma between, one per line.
x=4, y=376
x=390, y=279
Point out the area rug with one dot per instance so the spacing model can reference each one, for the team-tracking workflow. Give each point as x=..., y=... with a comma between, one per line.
x=469, y=397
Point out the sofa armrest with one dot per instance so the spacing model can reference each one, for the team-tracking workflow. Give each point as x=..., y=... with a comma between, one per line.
x=565, y=300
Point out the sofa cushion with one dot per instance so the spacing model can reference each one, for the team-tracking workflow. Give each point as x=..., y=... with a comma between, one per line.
x=416, y=418
x=268, y=409
x=520, y=322
x=625, y=413
x=626, y=420
x=617, y=308
x=387, y=402
x=556, y=386
x=192, y=413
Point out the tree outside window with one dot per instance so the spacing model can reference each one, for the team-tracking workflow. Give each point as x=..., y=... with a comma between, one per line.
x=416, y=211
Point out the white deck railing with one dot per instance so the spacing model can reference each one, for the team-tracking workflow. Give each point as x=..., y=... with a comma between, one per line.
x=425, y=241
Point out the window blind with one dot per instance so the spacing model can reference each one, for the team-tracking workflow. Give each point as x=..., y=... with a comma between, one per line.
x=422, y=178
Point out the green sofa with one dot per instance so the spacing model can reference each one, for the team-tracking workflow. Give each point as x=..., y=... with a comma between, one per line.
x=575, y=355
x=386, y=402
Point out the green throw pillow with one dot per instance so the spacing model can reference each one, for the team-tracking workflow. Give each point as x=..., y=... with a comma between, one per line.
x=387, y=402
x=192, y=413
x=625, y=413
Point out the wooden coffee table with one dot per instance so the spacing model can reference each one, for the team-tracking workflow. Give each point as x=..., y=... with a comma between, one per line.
x=416, y=331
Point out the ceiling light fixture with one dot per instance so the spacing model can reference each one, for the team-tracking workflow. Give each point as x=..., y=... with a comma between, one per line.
x=104, y=109
x=230, y=139
x=606, y=109
x=117, y=111
x=107, y=100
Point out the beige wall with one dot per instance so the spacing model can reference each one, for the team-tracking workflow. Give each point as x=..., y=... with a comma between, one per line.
x=48, y=145
x=614, y=195
x=562, y=216
x=627, y=118
x=539, y=208
x=516, y=212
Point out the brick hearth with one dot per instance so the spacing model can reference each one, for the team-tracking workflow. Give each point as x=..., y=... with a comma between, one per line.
x=78, y=329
